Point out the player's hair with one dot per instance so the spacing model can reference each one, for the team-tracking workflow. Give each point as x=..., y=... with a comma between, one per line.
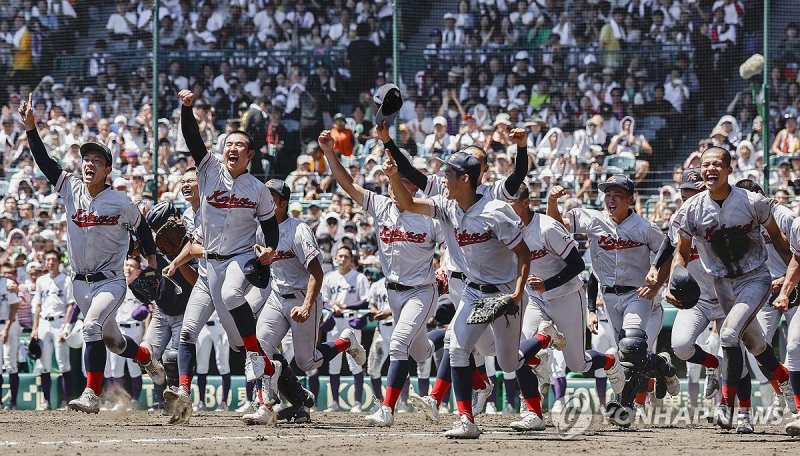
x=250, y=141
x=523, y=192
x=8, y=265
x=726, y=156
x=750, y=185
x=53, y=252
x=349, y=251
x=191, y=169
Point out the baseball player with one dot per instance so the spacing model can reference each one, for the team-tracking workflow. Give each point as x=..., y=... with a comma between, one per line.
x=602, y=340
x=97, y=241
x=234, y=205
x=722, y=223
x=9, y=301
x=130, y=318
x=406, y=243
x=51, y=303
x=477, y=228
x=213, y=335
x=620, y=245
x=781, y=303
x=379, y=350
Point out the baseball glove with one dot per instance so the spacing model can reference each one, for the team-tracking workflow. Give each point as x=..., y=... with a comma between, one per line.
x=170, y=237
x=490, y=308
x=145, y=287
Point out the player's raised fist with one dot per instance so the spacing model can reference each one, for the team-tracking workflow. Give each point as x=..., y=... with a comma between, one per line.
x=326, y=142
x=519, y=137
x=557, y=192
x=382, y=132
x=26, y=113
x=187, y=97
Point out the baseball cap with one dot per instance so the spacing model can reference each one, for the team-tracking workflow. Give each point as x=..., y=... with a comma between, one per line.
x=97, y=147
x=521, y=55
x=463, y=163
x=388, y=102
x=280, y=188
x=296, y=207
x=690, y=177
x=439, y=120
x=303, y=159
x=339, y=116
x=617, y=181
x=33, y=266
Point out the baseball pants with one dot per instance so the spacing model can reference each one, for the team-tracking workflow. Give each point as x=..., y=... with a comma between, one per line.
x=741, y=298
x=568, y=313
x=627, y=311
x=691, y=324
x=49, y=333
x=379, y=350
x=653, y=327
x=99, y=302
x=275, y=321
x=769, y=318
x=10, y=349
x=335, y=364
x=199, y=309
x=793, y=346
x=213, y=335
x=163, y=332
x=485, y=345
x=117, y=363
x=411, y=309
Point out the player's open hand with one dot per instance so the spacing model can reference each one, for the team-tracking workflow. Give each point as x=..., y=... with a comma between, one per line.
x=382, y=132
x=26, y=113
x=300, y=313
x=536, y=284
x=187, y=97
x=264, y=254
x=592, y=323
x=648, y=291
x=556, y=192
x=389, y=166
x=325, y=141
x=519, y=137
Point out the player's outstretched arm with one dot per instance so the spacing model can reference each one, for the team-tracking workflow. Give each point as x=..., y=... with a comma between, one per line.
x=552, y=203
x=190, y=129
x=51, y=169
x=521, y=164
x=339, y=173
x=404, y=200
x=405, y=167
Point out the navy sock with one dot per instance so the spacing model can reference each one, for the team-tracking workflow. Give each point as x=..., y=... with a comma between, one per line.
x=423, y=385
x=745, y=388
x=248, y=389
x=46, y=385
x=436, y=336
x=334, y=381
x=398, y=373
x=186, y=355
x=699, y=356
x=794, y=380
x=226, y=387
x=64, y=384
x=530, y=348
x=767, y=359
x=202, y=381
x=446, y=398
x=94, y=356
x=313, y=385
x=257, y=385
x=136, y=388
x=560, y=387
x=131, y=348
x=377, y=387
x=511, y=388
x=404, y=391
x=462, y=383
x=445, y=372
x=734, y=363
x=601, y=384
x=598, y=360
x=244, y=319
x=358, y=387
x=528, y=382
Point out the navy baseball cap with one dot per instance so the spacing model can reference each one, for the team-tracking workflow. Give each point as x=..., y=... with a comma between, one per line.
x=690, y=178
x=93, y=146
x=388, y=102
x=280, y=188
x=617, y=181
x=463, y=163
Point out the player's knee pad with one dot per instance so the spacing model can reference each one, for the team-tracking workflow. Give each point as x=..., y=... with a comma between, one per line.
x=170, y=361
x=633, y=348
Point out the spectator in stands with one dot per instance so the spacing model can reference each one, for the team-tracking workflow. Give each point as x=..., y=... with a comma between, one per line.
x=787, y=141
x=343, y=138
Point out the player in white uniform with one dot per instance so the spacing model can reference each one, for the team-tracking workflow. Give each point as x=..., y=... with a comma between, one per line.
x=620, y=245
x=477, y=229
x=9, y=301
x=723, y=224
x=378, y=352
x=212, y=335
x=234, y=205
x=294, y=303
x=130, y=318
x=793, y=340
x=97, y=240
x=51, y=304
x=406, y=243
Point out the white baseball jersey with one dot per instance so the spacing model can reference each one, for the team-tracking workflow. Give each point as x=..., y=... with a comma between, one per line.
x=98, y=230
x=7, y=299
x=549, y=243
x=297, y=246
x=405, y=241
x=794, y=238
x=349, y=289
x=728, y=238
x=52, y=296
x=129, y=304
x=620, y=252
x=231, y=208
x=479, y=240
x=784, y=217
x=379, y=296
x=693, y=265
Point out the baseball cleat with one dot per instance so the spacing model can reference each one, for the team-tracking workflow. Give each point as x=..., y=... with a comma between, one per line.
x=619, y=415
x=263, y=415
x=615, y=373
x=744, y=424
x=153, y=367
x=788, y=396
x=444, y=410
x=425, y=404
x=310, y=399
x=672, y=383
x=200, y=407
x=463, y=429
x=775, y=410
x=793, y=427
x=181, y=408
x=254, y=366
x=334, y=407
x=712, y=382
x=356, y=408
x=382, y=418
x=557, y=339
x=480, y=397
x=44, y=405
x=542, y=371
x=246, y=407
x=296, y=414
x=529, y=422
x=356, y=350
x=222, y=407
x=723, y=417
x=88, y=402
x=269, y=384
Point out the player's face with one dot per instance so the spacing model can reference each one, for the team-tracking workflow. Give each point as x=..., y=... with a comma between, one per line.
x=344, y=259
x=455, y=183
x=51, y=262
x=95, y=168
x=520, y=206
x=131, y=270
x=714, y=170
x=617, y=201
x=189, y=188
x=237, y=153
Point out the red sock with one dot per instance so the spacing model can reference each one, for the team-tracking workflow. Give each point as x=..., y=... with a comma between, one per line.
x=341, y=345
x=711, y=361
x=775, y=386
x=479, y=380
x=728, y=395
x=609, y=361
x=260, y=396
x=744, y=404
x=465, y=408
x=534, y=405
x=142, y=355
x=251, y=344
x=440, y=388
x=533, y=361
x=269, y=369
x=543, y=339
x=781, y=374
x=185, y=382
x=641, y=397
x=797, y=401
x=392, y=394
x=651, y=385
x=94, y=380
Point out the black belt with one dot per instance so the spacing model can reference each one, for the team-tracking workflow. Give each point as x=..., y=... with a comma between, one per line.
x=2, y=321
x=484, y=288
x=604, y=321
x=218, y=257
x=387, y=324
x=458, y=275
x=92, y=277
x=211, y=323
x=129, y=325
x=394, y=286
x=619, y=289
x=54, y=318
x=289, y=296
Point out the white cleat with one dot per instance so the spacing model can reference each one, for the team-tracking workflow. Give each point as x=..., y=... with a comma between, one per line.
x=557, y=339
x=542, y=371
x=153, y=368
x=425, y=404
x=356, y=408
x=615, y=373
x=712, y=382
x=463, y=429
x=744, y=424
x=44, y=405
x=529, y=422
x=247, y=407
x=88, y=402
x=444, y=410
x=382, y=418
x=788, y=396
x=254, y=366
x=793, y=427
x=491, y=409
x=672, y=383
x=723, y=417
x=181, y=409
x=333, y=408
x=269, y=384
x=356, y=350
x=480, y=398
x=263, y=415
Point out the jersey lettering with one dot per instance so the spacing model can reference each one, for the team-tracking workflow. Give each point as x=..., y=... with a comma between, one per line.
x=282, y=255
x=84, y=219
x=609, y=242
x=536, y=254
x=218, y=200
x=726, y=232
x=464, y=238
x=389, y=235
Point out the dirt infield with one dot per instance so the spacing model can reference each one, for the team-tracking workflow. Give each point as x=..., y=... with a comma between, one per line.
x=46, y=433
